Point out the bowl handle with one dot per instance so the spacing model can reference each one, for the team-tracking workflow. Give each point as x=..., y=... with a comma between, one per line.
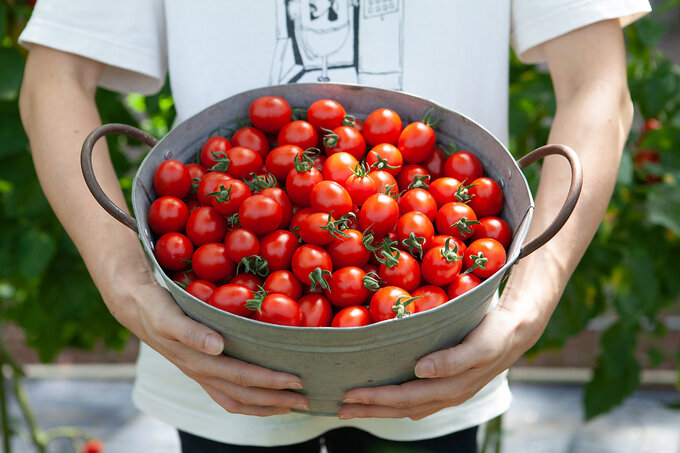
x=88, y=171
x=572, y=196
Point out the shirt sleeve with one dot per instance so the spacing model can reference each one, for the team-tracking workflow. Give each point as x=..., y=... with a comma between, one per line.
x=128, y=36
x=537, y=21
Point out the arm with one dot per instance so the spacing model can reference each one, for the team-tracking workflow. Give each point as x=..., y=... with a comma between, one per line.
x=594, y=112
x=58, y=111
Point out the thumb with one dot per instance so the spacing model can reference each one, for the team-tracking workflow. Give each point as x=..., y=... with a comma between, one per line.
x=193, y=334
x=447, y=362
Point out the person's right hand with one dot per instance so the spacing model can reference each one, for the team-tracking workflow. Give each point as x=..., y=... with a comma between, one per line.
x=196, y=349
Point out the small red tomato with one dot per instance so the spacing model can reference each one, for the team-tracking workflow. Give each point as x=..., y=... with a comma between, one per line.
x=487, y=197
x=326, y=114
x=207, y=185
x=278, y=248
x=360, y=186
x=385, y=157
x=345, y=139
x=462, y=284
x=410, y=173
x=348, y=251
x=260, y=214
x=391, y=302
x=201, y=289
x=312, y=265
x=441, y=265
x=283, y=282
x=167, y=214
x=330, y=197
x=211, y=262
x=384, y=182
x=241, y=243
x=346, y=287
x=456, y=244
x=456, y=219
x=338, y=167
x=414, y=231
x=299, y=184
x=379, y=213
x=405, y=273
x=242, y=161
x=382, y=126
x=232, y=298
x=93, y=445
x=173, y=251
x=281, y=160
x=300, y=133
x=494, y=228
x=206, y=225
x=416, y=142
x=172, y=178
x=484, y=257
x=429, y=297
x=213, y=151
x=444, y=190
x=279, y=309
x=316, y=311
x=464, y=166
x=281, y=197
x=250, y=281
x=270, y=113
x=435, y=163
x=316, y=229
x=419, y=200
x=353, y=316
x=252, y=138
x=228, y=195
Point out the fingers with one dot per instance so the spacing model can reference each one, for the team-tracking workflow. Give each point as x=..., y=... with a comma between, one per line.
x=262, y=397
x=237, y=407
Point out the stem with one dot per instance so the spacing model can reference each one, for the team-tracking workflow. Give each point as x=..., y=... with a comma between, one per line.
x=4, y=413
x=37, y=436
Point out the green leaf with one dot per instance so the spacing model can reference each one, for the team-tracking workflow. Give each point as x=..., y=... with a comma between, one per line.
x=36, y=250
x=3, y=19
x=12, y=64
x=649, y=31
x=12, y=136
x=663, y=206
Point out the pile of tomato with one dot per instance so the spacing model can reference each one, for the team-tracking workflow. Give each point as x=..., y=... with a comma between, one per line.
x=327, y=220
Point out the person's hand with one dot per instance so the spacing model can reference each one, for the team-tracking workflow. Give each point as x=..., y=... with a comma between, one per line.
x=448, y=377
x=196, y=349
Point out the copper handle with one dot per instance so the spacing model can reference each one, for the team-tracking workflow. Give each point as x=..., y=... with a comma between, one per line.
x=88, y=170
x=572, y=196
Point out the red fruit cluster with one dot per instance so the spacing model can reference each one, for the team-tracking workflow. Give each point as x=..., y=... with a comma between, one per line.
x=328, y=221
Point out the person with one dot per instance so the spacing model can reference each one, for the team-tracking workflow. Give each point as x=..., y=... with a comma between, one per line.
x=455, y=53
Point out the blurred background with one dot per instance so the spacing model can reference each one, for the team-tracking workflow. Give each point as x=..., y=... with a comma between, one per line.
x=614, y=336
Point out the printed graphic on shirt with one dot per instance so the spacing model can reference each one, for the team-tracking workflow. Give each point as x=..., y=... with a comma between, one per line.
x=343, y=41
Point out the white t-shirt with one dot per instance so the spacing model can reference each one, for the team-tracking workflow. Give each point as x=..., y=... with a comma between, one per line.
x=453, y=52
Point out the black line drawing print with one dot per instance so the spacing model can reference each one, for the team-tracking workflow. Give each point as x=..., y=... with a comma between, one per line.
x=346, y=41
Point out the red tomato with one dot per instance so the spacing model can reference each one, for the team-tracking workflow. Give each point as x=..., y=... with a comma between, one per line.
x=279, y=309
x=315, y=229
x=206, y=225
x=390, y=302
x=338, y=167
x=444, y=190
x=435, y=163
x=429, y=297
x=172, y=178
x=485, y=257
x=330, y=197
x=348, y=251
x=260, y=214
x=385, y=182
x=283, y=282
x=345, y=139
x=209, y=183
x=326, y=114
x=494, y=228
x=457, y=245
x=360, y=187
x=213, y=150
x=456, y=219
x=354, y=316
x=167, y=214
x=299, y=184
x=416, y=142
x=281, y=160
x=416, y=224
x=280, y=196
x=464, y=166
x=211, y=262
x=201, y=289
x=90, y=445
x=241, y=243
x=228, y=195
x=462, y=284
x=441, y=265
x=408, y=175
x=405, y=274
x=298, y=218
x=232, y=298
x=270, y=113
x=385, y=157
x=487, y=197
x=644, y=161
x=382, y=126
x=242, y=161
x=379, y=213
x=252, y=138
x=312, y=265
x=173, y=250
x=419, y=200
x=197, y=172
x=300, y=133
x=183, y=277
x=316, y=311
x=346, y=287
x=250, y=281
x=278, y=248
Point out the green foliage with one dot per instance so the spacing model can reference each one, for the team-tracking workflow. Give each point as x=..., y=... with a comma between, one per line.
x=630, y=270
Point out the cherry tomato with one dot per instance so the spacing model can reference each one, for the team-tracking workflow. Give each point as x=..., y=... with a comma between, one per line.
x=385, y=182
x=241, y=243
x=278, y=248
x=312, y=265
x=316, y=311
x=173, y=251
x=389, y=302
x=208, y=184
x=441, y=265
x=330, y=197
x=300, y=133
x=250, y=281
x=382, y=126
x=435, y=163
x=283, y=282
x=260, y=214
x=494, y=228
x=326, y=114
x=183, y=277
x=464, y=166
x=211, y=262
x=270, y=113
x=206, y=225
x=281, y=160
x=338, y=167
x=405, y=274
x=281, y=197
x=227, y=196
x=360, y=186
x=172, y=178
x=345, y=139
x=232, y=298
x=279, y=309
x=419, y=200
x=90, y=445
x=314, y=229
x=409, y=173
x=196, y=172
x=167, y=214
x=420, y=226
x=487, y=197
x=462, y=284
x=201, y=289
x=243, y=161
x=297, y=219
x=353, y=316
x=379, y=213
x=348, y=251
x=416, y=142
x=385, y=157
x=485, y=257
x=299, y=184
x=456, y=244
x=456, y=219
x=429, y=297
x=444, y=190
x=346, y=287
x=252, y=138
x=214, y=149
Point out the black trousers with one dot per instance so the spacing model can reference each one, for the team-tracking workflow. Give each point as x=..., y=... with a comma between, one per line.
x=344, y=440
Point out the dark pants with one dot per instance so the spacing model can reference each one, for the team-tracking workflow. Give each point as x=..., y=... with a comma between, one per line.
x=344, y=440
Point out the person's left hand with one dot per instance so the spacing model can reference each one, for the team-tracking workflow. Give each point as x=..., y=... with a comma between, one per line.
x=448, y=377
